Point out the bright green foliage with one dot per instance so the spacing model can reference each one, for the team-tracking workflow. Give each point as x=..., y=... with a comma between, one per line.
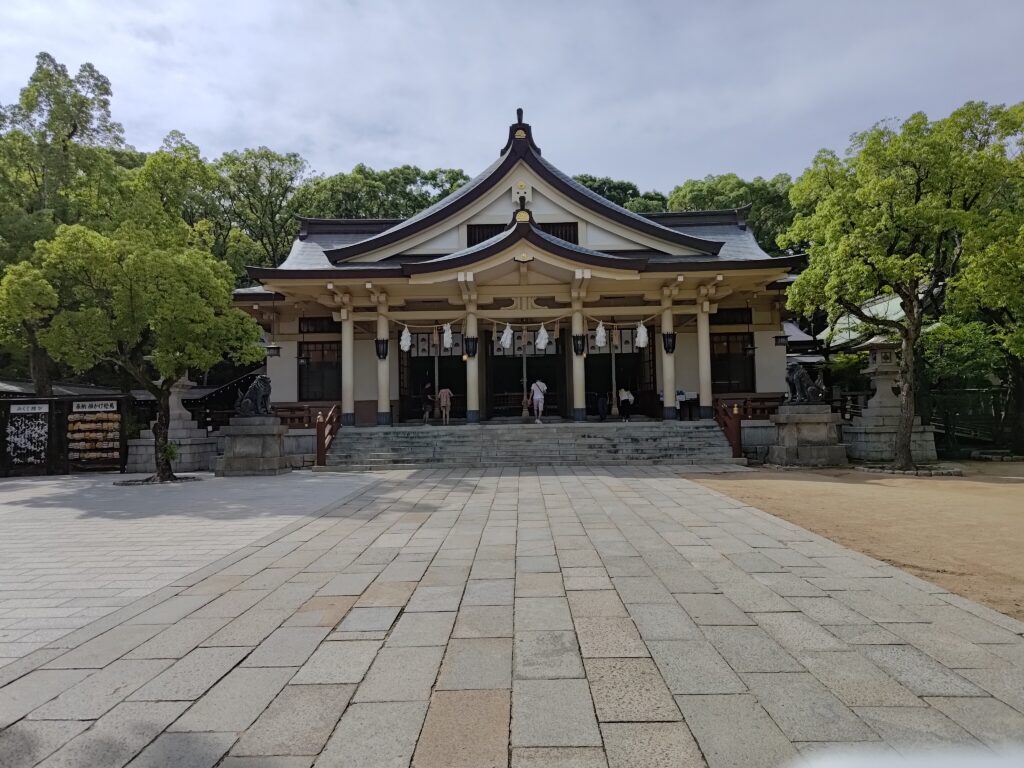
x=27, y=303
x=958, y=356
x=259, y=191
x=624, y=193
x=153, y=307
x=896, y=215
x=54, y=166
x=396, y=193
x=770, y=210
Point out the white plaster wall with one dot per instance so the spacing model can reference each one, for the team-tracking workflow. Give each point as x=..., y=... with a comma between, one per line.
x=444, y=243
x=598, y=238
x=769, y=362
x=284, y=373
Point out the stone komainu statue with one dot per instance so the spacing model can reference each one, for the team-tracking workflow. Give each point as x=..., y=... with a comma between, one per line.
x=255, y=401
x=802, y=388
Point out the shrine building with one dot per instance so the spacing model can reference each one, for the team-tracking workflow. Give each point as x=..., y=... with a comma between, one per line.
x=680, y=308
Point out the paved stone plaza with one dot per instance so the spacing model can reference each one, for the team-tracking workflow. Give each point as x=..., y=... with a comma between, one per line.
x=575, y=617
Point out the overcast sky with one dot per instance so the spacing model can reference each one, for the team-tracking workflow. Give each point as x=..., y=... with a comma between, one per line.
x=655, y=92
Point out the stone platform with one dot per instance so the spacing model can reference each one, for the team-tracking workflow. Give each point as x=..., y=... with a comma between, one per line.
x=253, y=445
x=808, y=437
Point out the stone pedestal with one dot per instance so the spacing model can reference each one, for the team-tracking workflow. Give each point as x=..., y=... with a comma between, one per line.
x=253, y=445
x=197, y=450
x=807, y=437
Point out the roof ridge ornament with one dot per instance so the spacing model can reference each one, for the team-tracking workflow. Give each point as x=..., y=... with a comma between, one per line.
x=519, y=132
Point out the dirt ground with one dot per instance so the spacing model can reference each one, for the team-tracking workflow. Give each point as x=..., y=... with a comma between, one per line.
x=963, y=533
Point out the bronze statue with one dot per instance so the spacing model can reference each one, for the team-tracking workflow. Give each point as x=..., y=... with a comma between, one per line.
x=802, y=388
x=255, y=401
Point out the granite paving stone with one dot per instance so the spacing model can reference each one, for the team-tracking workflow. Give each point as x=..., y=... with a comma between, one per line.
x=558, y=757
x=348, y=584
x=911, y=729
x=401, y=674
x=298, y=722
x=804, y=709
x=479, y=664
x=750, y=649
x=26, y=693
x=536, y=613
x=609, y=637
x=382, y=735
x=108, y=647
x=236, y=701
x=231, y=604
x=482, y=621
x=694, y=666
x=287, y=647
x=101, y=691
x=27, y=742
x=440, y=598
x=465, y=729
x=919, y=672
x=184, y=750
x=629, y=690
x=587, y=603
x=546, y=654
x=539, y=585
x=857, y=681
x=266, y=762
x=326, y=611
x=422, y=629
x=713, y=610
x=989, y=720
x=735, y=732
x=249, y=629
x=191, y=676
x=553, y=713
x=117, y=736
x=178, y=639
x=795, y=632
x=369, y=619
x=650, y=745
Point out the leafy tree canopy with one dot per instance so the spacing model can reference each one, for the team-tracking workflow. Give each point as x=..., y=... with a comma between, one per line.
x=898, y=215
x=770, y=210
x=395, y=193
x=624, y=193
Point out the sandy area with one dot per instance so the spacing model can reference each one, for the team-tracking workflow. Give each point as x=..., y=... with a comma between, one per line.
x=963, y=533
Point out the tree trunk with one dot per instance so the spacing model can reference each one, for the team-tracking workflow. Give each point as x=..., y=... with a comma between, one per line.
x=39, y=368
x=904, y=458
x=161, y=447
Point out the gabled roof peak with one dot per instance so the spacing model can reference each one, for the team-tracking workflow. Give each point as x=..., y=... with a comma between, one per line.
x=519, y=131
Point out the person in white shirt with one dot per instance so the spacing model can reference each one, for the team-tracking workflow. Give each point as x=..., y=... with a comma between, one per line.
x=625, y=403
x=537, y=392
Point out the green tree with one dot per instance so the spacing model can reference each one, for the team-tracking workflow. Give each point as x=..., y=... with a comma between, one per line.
x=990, y=291
x=894, y=216
x=27, y=305
x=364, y=193
x=648, y=202
x=150, y=306
x=618, y=191
x=54, y=163
x=259, y=190
x=770, y=210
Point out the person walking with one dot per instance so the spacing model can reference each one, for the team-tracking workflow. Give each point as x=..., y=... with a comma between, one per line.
x=444, y=402
x=428, y=402
x=625, y=403
x=537, y=392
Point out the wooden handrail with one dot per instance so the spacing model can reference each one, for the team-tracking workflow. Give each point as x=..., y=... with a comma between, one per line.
x=326, y=430
x=730, y=420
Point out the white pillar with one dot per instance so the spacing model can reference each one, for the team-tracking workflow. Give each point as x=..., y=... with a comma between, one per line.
x=616, y=334
x=348, y=400
x=668, y=369
x=579, y=389
x=383, y=370
x=472, y=369
x=704, y=360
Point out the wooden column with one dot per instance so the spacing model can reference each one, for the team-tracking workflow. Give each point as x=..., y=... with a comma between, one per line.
x=348, y=400
x=704, y=359
x=579, y=385
x=383, y=366
x=668, y=368
x=472, y=368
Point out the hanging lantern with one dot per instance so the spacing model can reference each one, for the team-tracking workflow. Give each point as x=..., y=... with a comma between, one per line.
x=406, y=341
x=382, y=348
x=506, y=337
x=434, y=338
x=600, y=336
x=579, y=343
x=447, y=336
x=471, y=346
x=641, y=335
x=542, y=338
x=668, y=340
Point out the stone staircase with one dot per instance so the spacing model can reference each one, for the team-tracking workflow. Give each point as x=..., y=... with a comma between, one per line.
x=529, y=445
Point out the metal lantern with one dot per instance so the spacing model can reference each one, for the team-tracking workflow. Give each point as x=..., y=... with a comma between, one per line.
x=579, y=343
x=781, y=340
x=668, y=340
x=382, y=348
x=272, y=349
x=470, y=346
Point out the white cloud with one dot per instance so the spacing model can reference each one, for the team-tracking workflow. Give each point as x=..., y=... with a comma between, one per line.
x=656, y=92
